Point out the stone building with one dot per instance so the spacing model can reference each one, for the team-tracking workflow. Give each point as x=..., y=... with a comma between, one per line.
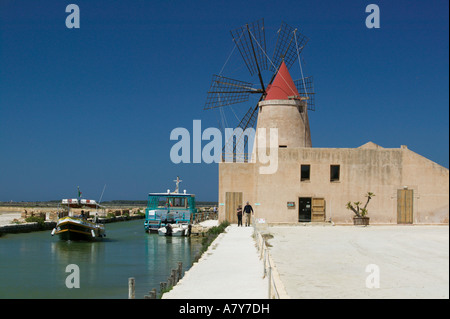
x=315, y=184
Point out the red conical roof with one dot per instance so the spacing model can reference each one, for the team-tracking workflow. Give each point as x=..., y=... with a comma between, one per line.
x=282, y=86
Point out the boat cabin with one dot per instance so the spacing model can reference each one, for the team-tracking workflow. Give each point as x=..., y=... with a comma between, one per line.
x=169, y=208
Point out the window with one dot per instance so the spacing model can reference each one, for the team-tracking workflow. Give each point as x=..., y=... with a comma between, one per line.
x=282, y=146
x=334, y=173
x=305, y=171
x=178, y=202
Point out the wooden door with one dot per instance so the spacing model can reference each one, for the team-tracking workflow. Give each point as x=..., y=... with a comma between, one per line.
x=318, y=210
x=405, y=206
x=232, y=201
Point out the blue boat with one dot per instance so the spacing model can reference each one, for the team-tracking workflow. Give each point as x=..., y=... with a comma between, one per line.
x=170, y=213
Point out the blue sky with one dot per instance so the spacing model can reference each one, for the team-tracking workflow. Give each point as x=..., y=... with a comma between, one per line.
x=95, y=105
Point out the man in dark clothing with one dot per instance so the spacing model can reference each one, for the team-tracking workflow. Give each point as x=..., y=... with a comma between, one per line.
x=248, y=210
x=239, y=215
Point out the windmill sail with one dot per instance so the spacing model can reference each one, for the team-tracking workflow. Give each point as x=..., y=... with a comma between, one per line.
x=305, y=88
x=249, y=120
x=286, y=48
x=244, y=38
x=225, y=91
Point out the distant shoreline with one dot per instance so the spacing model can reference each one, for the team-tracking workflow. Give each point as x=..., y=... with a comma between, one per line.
x=108, y=204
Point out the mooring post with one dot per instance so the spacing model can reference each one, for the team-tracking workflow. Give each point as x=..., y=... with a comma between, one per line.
x=180, y=270
x=264, y=264
x=131, y=288
x=174, y=276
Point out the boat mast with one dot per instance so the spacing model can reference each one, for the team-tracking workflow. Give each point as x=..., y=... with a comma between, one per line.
x=177, y=181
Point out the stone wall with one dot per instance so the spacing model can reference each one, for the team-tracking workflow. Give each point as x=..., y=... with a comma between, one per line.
x=369, y=168
x=26, y=227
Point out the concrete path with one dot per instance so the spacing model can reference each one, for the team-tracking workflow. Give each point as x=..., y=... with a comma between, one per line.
x=7, y=218
x=229, y=269
x=345, y=261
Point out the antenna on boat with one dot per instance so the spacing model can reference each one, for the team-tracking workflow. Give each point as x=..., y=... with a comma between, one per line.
x=102, y=194
x=177, y=181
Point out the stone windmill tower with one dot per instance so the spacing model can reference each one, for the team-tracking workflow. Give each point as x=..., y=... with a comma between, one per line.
x=283, y=108
x=283, y=104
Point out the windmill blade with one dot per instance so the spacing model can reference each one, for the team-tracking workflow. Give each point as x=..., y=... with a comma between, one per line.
x=244, y=38
x=225, y=91
x=285, y=48
x=305, y=85
x=305, y=88
x=249, y=120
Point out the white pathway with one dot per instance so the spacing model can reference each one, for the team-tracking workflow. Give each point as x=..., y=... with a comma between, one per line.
x=229, y=269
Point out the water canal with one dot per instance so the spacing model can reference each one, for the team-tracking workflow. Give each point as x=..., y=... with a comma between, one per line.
x=33, y=265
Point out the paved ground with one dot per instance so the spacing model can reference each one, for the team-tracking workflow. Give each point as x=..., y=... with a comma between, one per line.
x=230, y=269
x=330, y=261
x=6, y=218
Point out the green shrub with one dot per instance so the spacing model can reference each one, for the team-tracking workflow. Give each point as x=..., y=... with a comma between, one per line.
x=36, y=219
x=111, y=215
x=216, y=230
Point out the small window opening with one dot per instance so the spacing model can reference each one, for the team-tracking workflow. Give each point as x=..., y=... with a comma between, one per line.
x=305, y=172
x=334, y=173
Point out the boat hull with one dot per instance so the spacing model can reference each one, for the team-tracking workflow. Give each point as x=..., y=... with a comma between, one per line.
x=152, y=226
x=73, y=228
x=175, y=230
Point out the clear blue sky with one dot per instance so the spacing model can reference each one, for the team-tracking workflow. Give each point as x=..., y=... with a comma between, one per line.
x=93, y=106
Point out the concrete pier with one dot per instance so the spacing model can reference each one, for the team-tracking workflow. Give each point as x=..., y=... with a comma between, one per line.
x=26, y=227
x=229, y=269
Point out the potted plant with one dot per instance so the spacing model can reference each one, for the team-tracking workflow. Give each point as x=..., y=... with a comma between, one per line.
x=360, y=217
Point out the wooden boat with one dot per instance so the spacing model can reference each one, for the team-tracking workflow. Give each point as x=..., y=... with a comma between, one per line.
x=78, y=228
x=73, y=227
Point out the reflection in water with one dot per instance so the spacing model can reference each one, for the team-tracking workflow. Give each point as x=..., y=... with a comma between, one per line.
x=33, y=265
x=63, y=251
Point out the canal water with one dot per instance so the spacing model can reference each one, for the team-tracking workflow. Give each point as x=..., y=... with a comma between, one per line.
x=33, y=265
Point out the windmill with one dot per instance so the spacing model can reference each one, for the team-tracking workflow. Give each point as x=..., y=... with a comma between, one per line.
x=250, y=41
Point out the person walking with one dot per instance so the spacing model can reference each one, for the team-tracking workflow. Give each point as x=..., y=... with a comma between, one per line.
x=239, y=215
x=248, y=210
